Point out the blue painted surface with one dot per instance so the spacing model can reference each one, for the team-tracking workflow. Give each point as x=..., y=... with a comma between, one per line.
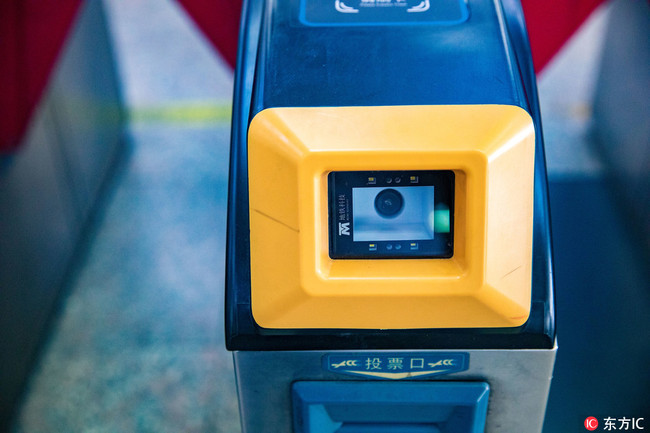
x=302, y=66
x=359, y=407
x=282, y=63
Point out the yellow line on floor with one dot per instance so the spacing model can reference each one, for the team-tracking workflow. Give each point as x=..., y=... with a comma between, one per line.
x=199, y=112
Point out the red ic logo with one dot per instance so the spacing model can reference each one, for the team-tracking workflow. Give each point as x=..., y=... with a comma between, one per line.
x=591, y=423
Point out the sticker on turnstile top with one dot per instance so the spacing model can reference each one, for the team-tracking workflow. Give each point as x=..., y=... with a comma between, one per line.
x=382, y=12
x=396, y=365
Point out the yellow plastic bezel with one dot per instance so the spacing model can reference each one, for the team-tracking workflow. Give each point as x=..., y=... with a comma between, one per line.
x=487, y=282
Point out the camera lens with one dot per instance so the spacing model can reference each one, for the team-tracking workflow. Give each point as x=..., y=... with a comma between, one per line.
x=389, y=203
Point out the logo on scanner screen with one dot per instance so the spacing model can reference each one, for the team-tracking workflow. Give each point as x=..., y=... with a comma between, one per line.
x=396, y=365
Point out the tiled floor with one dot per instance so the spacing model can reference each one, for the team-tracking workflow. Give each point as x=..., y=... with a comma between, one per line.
x=138, y=345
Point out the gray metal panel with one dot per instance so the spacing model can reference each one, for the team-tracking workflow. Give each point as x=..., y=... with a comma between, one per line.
x=519, y=383
x=622, y=107
x=88, y=115
x=47, y=188
x=37, y=217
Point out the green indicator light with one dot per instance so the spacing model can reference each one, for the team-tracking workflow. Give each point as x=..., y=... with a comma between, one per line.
x=441, y=221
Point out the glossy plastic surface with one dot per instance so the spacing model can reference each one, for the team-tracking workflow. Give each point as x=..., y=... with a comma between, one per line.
x=375, y=407
x=498, y=70
x=487, y=281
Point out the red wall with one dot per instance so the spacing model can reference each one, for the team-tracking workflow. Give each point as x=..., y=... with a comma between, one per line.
x=219, y=20
x=551, y=23
x=31, y=35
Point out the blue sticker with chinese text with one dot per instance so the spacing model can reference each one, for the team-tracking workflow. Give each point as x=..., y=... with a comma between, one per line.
x=396, y=365
x=382, y=12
